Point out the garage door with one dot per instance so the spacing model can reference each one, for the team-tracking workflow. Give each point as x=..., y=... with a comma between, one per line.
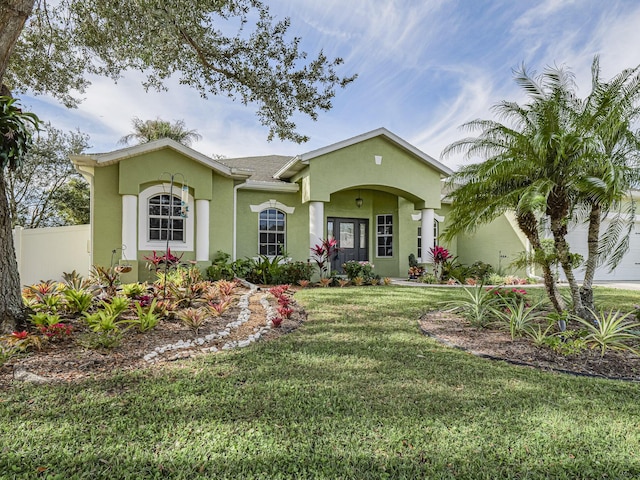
x=629, y=267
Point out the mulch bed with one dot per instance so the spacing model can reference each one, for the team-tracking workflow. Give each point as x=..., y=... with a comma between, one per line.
x=67, y=361
x=455, y=331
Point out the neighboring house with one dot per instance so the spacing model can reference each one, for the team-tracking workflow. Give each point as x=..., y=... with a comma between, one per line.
x=377, y=194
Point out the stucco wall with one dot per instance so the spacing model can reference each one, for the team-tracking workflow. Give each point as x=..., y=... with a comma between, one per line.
x=107, y=215
x=399, y=173
x=297, y=224
x=496, y=243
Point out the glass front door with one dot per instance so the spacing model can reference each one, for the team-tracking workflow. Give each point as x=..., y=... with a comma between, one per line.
x=352, y=235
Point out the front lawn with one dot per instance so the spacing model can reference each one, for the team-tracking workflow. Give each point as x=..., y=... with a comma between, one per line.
x=356, y=392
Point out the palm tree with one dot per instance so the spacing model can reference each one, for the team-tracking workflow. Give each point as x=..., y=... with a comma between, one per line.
x=503, y=182
x=563, y=159
x=150, y=130
x=531, y=167
x=610, y=111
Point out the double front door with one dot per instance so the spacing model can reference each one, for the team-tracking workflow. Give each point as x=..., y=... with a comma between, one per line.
x=352, y=235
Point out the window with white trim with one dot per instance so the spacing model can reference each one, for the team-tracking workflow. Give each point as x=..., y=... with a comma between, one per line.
x=272, y=232
x=160, y=217
x=384, y=235
x=165, y=220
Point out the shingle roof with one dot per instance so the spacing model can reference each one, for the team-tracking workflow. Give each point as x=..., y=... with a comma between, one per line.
x=263, y=167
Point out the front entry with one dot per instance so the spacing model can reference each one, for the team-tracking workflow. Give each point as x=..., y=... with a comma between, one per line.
x=352, y=235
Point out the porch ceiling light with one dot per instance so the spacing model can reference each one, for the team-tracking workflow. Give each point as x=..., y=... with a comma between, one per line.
x=359, y=200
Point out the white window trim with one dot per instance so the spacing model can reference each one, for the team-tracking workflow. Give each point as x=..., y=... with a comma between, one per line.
x=270, y=205
x=393, y=247
x=286, y=221
x=143, y=221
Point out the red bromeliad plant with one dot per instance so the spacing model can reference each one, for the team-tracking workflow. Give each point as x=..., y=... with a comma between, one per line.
x=323, y=252
x=439, y=255
x=56, y=331
x=285, y=311
x=168, y=259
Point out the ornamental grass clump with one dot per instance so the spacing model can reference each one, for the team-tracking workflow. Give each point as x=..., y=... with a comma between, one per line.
x=611, y=331
x=478, y=306
x=520, y=317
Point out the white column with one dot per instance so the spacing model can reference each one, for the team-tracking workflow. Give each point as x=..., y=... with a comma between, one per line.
x=316, y=223
x=202, y=230
x=129, y=227
x=427, y=218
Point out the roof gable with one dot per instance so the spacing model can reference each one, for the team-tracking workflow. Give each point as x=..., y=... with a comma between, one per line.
x=110, y=158
x=299, y=162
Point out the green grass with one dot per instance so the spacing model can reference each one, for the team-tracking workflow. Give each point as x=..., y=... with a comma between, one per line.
x=356, y=392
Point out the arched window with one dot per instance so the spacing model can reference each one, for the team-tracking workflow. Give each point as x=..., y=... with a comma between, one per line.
x=154, y=228
x=165, y=218
x=272, y=232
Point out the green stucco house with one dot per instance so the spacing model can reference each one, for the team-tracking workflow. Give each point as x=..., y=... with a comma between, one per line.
x=378, y=195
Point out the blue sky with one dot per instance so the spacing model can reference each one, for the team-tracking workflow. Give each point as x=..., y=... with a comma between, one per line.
x=425, y=67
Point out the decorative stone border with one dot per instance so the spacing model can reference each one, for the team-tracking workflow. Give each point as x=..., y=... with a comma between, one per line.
x=200, y=342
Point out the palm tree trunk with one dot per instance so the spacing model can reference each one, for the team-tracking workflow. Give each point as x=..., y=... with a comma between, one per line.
x=528, y=223
x=12, y=313
x=593, y=238
x=559, y=232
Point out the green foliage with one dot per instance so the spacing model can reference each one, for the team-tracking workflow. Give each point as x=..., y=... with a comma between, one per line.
x=412, y=260
x=292, y=272
x=611, y=331
x=558, y=159
x=264, y=269
x=77, y=301
x=116, y=306
x=75, y=281
x=44, y=319
x=146, y=318
x=7, y=352
x=568, y=342
x=520, y=317
x=361, y=270
x=72, y=202
x=106, y=278
x=477, y=305
x=102, y=321
x=43, y=178
x=150, y=130
x=16, y=129
x=453, y=269
x=106, y=339
x=546, y=255
x=221, y=269
x=495, y=279
x=132, y=290
x=199, y=43
x=481, y=271
x=429, y=278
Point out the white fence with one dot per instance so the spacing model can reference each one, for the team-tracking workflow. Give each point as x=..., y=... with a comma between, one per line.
x=45, y=253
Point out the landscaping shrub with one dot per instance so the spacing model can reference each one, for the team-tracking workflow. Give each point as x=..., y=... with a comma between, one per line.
x=363, y=271
x=293, y=272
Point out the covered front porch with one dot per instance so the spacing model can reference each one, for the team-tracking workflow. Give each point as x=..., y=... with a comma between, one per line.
x=376, y=224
